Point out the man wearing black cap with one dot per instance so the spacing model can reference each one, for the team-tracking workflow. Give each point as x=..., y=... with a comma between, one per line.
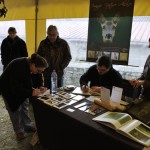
x=12, y=47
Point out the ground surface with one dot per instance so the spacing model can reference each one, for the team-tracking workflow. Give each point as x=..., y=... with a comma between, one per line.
x=7, y=136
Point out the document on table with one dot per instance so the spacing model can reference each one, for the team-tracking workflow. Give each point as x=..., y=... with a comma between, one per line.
x=47, y=92
x=116, y=94
x=105, y=94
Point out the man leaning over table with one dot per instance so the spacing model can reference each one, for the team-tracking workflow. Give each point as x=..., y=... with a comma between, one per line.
x=16, y=89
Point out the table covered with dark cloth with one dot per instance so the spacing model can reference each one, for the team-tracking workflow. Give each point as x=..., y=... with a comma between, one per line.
x=61, y=129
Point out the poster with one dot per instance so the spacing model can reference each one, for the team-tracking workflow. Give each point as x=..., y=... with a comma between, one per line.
x=109, y=30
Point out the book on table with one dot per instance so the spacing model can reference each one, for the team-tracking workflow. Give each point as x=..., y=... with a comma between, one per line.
x=78, y=91
x=124, y=124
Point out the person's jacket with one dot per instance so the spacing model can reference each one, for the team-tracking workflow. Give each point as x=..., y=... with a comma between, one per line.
x=11, y=49
x=16, y=83
x=57, y=54
x=146, y=77
x=111, y=78
x=146, y=85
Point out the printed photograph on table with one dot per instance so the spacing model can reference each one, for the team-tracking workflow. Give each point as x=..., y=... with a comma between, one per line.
x=45, y=97
x=70, y=101
x=51, y=102
x=78, y=97
x=65, y=94
x=95, y=110
x=60, y=99
x=60, y=105
x=85, y=107
x=109, y=30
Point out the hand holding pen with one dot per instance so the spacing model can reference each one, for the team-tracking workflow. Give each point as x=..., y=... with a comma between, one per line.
x=85, y=89
x=36, y=92
x=96, y=89
x=43, y=89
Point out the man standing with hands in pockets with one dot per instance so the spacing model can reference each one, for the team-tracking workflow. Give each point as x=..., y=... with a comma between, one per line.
x=57, y=53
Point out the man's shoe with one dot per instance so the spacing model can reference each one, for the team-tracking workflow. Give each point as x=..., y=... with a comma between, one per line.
x=30, y=129
x=21, y=136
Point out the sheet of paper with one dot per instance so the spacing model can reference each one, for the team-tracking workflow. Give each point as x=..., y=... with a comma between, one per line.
x=47, y=92
x=70, y=110
x=105, y=94
x=116, y=94
x=81, y=104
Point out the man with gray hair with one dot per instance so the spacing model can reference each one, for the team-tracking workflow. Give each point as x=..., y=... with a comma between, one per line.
x=57, y=53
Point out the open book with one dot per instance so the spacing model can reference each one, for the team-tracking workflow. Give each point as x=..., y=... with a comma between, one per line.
x=125, y=125
x=80, y=92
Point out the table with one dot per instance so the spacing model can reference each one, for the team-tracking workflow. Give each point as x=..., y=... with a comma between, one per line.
x=60, y=129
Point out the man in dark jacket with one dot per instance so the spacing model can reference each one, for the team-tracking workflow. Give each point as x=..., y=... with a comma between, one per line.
x=16, y=87
x=57, y=53
x=12, y=47
x=101, y=74
x=144, y=80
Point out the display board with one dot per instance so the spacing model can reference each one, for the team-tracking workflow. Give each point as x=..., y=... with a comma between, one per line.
x=109, y=30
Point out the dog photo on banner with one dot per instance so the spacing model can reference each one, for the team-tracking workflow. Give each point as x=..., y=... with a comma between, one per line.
x=109, y=30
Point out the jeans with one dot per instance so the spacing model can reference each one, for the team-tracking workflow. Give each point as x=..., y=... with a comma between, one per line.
x=20, y=119
x=47, y=82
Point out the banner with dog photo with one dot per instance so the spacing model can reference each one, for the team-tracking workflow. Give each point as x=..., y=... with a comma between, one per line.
x=109, y=30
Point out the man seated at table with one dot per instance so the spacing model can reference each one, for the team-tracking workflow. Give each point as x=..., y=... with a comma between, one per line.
x=100, y=74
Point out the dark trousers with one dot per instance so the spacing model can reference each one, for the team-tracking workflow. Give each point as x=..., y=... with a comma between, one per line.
x=47, y=82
